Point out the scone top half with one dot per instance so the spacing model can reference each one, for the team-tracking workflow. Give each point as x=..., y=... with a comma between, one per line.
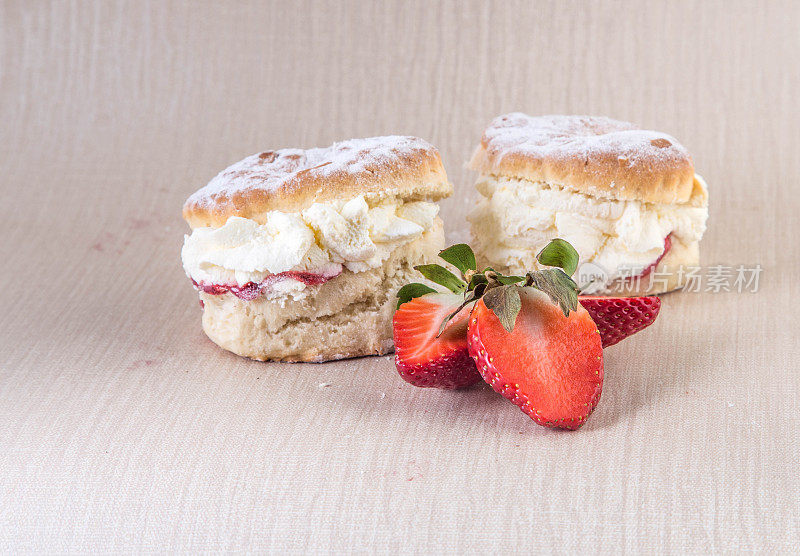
x=290, y=237
x=627, y=199
x=316, y=211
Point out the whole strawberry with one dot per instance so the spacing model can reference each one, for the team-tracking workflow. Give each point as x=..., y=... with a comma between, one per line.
x=620, y=317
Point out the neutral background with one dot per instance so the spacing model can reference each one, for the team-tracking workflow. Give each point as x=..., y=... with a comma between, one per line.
x=122, y=428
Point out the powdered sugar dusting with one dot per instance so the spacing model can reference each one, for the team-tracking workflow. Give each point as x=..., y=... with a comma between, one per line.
x=598, y=140
x=270, y=171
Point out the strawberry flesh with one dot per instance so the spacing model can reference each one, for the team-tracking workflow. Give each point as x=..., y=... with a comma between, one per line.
x=551, y=366
x=424, y=360
x=619, y=317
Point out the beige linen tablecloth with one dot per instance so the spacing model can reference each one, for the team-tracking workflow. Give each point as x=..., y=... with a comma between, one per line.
x=122, y=428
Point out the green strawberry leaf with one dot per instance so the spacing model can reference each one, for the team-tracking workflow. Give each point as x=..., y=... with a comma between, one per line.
x=460, y=256
x=509, y=279
x=410, y=291
x=443, y=277
x=504, y=302
x=555, y=283
x=559, y=253
x=476, y=280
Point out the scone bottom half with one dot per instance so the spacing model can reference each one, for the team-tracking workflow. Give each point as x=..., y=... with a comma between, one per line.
x=347, y=316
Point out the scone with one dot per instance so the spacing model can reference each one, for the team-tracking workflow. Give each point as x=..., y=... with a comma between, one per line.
x=298, y=254
x=627, y=199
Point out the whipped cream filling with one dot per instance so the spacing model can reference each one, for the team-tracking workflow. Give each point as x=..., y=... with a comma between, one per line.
x=516, y=218
x=323, y=239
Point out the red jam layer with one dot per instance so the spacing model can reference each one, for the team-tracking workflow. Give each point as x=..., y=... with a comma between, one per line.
x=251, y=290
x=652, y=267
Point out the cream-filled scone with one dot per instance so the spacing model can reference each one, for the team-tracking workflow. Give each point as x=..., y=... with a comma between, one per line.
x=297, y=254
x=627, y=199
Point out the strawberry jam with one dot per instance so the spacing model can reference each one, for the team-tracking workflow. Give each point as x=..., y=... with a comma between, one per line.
x=667, y=247
x=251, y=290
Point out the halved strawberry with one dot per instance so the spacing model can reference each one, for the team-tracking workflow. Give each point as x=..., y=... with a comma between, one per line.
x=550, y=365
x=619, y=317
x=425, y=360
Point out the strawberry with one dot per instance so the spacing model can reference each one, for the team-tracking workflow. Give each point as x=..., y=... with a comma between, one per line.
x=530, y=338
x=422, y=358
x=619, y=317
x=549, y=364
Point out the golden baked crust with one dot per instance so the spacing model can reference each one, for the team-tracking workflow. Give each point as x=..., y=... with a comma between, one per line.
x=593, y=155
x=290, y=180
